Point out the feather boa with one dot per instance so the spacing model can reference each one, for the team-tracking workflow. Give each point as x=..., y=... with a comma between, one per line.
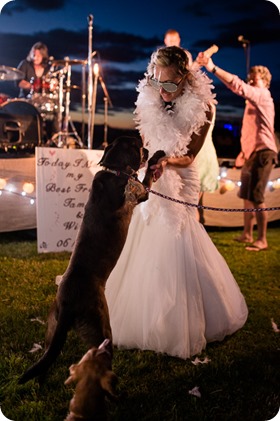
x=171, y=131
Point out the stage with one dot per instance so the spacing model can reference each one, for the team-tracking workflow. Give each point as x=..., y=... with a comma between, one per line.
x=19, y=204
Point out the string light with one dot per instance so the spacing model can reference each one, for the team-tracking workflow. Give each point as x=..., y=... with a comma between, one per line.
x=3, y=183
x=227, y=184
x=27, y=188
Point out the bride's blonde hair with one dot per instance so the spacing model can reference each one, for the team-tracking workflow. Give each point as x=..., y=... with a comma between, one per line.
x=169, y=56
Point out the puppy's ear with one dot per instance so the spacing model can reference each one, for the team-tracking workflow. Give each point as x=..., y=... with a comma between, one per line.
x=106, y=150
x=108, y=383
x=69, y=380
x=73, y=374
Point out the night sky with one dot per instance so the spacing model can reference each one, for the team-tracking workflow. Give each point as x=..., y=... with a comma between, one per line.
x=126, y=32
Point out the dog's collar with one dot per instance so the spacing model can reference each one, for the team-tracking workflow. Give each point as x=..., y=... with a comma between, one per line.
x=118, y=173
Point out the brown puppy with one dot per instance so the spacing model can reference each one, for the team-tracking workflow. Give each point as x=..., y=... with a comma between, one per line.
x=80, y=300
x=95, y=381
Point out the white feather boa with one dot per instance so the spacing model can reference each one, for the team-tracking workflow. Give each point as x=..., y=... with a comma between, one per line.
x=171, y=131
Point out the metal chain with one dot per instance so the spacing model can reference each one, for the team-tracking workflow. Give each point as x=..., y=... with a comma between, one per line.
x=210, y=207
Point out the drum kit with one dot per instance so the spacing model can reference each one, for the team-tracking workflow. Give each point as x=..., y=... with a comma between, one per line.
x=50, y=96
x=49, y=99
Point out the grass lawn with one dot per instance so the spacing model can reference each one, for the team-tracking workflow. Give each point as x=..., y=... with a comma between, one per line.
x=241, y=382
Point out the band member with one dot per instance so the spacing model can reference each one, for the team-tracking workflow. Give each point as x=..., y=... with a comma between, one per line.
x=38, y=87
x=35, y=66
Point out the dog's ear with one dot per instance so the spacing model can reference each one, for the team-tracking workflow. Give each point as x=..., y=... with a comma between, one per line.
x=72, y=378
x=122, y=153
x=106, y=150
x=109, y=383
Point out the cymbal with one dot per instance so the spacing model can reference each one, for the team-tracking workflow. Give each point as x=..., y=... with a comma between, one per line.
x=71, y=62
x=10, y=73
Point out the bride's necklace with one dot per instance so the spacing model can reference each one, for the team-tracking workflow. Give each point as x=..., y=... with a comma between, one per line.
x=169, y=107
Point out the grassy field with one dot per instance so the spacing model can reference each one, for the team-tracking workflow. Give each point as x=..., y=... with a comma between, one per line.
x=241, y=382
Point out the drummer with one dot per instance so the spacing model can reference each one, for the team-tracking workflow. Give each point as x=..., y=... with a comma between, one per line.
x=34, y=66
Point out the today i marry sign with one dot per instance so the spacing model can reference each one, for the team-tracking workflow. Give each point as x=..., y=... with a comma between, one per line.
x=63, y=182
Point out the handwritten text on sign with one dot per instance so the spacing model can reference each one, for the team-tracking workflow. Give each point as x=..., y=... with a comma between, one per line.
x=63, y=183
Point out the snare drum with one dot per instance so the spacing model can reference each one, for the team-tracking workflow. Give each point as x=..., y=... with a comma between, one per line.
x=43, y=95
x=46, y=104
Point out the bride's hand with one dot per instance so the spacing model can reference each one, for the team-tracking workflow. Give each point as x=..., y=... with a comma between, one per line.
x=158, y=168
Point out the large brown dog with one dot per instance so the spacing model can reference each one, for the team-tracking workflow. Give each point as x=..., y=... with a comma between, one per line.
x=95, y=381
x=80, y=301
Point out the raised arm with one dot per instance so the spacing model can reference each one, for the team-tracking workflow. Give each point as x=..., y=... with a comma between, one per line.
x=204, y=60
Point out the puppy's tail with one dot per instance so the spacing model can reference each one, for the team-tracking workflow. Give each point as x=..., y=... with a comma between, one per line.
x=41, y=367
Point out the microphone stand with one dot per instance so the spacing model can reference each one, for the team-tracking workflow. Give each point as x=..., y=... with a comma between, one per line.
x=246, y=46
x=94, y=94
x=83, y=99
x=90, y=82
x=106, y=101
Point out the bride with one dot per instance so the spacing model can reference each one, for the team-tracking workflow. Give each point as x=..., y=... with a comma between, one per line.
x=171, y=290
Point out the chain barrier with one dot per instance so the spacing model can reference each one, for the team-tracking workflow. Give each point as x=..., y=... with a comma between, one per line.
x=210, y=207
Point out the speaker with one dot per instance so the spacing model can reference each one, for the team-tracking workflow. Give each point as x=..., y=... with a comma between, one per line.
x=20, y=125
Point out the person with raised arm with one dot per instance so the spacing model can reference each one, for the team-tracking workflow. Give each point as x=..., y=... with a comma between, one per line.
x=258, y=145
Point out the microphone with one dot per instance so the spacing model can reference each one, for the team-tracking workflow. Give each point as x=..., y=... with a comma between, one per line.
x=243, y=40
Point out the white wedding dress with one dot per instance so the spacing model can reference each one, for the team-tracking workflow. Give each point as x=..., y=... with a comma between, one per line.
x=171, y=290
x=172, y=293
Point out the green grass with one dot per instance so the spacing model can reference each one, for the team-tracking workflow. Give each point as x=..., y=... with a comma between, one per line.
x=241, y=382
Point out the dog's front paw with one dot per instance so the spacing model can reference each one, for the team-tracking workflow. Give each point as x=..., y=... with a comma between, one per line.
x=156, y=156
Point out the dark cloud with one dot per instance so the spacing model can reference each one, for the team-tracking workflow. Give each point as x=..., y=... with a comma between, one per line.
x=119, y=51
x=62, y=43
x=123, y=47
x=266, y=10
x=228, y=35
x=39, y=5
x=74, y=44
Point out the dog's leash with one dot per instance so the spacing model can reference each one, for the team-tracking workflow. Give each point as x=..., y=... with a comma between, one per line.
x=181, y=202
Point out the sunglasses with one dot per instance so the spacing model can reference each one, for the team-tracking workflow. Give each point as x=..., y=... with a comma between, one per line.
x=167, y=86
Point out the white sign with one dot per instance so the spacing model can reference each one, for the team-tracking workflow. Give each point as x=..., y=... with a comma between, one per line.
x=63, y=182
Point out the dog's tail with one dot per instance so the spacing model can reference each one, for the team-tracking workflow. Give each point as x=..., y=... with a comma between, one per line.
x=52, y=352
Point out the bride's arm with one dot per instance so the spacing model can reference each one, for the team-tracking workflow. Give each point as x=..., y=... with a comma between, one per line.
x=198, y=139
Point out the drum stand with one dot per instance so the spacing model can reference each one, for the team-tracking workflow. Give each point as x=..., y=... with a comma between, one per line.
x=61, y=138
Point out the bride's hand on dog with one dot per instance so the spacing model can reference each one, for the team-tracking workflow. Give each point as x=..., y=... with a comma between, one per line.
x=159, y=168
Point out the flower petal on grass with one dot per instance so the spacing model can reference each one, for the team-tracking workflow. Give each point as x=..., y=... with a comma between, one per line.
x=274, y=326
x=195, y=392
x=37, y=319
x=197, y=361
x=36, y=347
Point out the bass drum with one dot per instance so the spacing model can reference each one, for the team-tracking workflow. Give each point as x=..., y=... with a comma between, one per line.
x=20, y=124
